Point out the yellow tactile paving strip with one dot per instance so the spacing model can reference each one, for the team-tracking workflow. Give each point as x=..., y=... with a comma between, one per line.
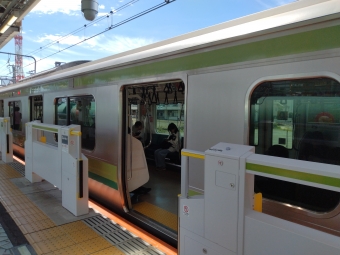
x=158, y=214
x=45, y=237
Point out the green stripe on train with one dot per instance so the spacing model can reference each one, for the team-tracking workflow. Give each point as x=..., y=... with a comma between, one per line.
x=103, y=172
x=103, y=180
x=310, y=41
x=330, y=181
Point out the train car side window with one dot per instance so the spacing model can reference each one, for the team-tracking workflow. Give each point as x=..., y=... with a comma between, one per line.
x=61, y=111
x=297, y=119
x=282, y=123
x=169, y=113
x=82, y=112
x=15, y=115
x=2, y=114
x=78, y=110
x=36, y=108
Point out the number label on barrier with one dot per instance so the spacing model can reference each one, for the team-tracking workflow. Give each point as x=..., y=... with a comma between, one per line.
x=64, y=142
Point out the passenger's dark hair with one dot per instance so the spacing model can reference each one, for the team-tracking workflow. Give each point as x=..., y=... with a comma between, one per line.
x=172, y=126
x=138, y=124
x=277, y=151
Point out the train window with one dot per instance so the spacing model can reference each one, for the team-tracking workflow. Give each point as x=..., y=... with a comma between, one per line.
x=36, y=108
x=169, y=113
x=82, y=112
x=282, y=123
x=61, y=111
x=15, y=115
x=78, y=110
x=297, y=119
x=2, y=108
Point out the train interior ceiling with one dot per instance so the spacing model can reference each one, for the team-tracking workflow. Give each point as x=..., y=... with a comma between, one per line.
x=155, y=105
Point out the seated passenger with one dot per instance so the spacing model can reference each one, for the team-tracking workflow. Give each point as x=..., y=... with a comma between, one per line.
x=277, y=151
x=137, y=130
x=171, y=144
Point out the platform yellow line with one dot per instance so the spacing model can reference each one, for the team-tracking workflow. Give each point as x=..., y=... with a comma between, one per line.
x=158, y=214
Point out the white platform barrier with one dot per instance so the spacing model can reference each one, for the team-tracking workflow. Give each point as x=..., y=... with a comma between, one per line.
x=6, y=140
x=63, y=166
x=223, y=222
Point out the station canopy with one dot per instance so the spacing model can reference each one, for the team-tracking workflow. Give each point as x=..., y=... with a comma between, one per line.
x=12, y=13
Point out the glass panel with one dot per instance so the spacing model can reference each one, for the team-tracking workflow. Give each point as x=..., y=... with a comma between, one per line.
x=37, y=108
x=297, y=119
x=282, y=126
x=15, y=115
x=61, y=111
x=170, y=113
x=2, y=108
x=82, y=113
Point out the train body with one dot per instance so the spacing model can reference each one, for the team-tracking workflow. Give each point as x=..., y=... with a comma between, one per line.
x=270, y=80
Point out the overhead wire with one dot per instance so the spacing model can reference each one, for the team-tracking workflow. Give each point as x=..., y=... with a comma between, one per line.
x=109, y=28
x=166, y=2
x=84, y=27
x=62, y=38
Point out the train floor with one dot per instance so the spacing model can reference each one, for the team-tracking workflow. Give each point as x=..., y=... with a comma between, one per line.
x=36, y=223
x=160, y=204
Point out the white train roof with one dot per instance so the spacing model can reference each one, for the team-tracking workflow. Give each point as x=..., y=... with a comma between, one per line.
x=228, y=31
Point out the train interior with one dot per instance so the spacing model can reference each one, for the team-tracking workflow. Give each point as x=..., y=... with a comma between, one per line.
x=154, y=195
x=298, y=119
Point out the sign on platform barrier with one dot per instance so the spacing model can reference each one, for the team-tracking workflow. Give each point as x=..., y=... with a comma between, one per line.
x=64, y=165
x=6, y=140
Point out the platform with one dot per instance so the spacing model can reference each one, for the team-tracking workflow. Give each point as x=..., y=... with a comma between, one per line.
x=51, y=229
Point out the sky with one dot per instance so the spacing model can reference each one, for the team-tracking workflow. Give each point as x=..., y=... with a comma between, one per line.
x=50, y=20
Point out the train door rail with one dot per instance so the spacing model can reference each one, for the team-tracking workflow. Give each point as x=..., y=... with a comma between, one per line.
x=6, y=140
x=63, y=165
x=223, y=220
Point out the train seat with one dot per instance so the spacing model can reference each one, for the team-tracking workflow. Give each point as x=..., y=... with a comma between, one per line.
x=157, y=139
x=139, y=172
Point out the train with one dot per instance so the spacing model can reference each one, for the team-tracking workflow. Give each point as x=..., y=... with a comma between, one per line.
x=270, y=80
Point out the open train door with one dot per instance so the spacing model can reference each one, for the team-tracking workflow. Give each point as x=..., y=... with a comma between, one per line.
x=151, y=193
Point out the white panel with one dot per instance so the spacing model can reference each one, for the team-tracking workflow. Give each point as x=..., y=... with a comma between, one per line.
x=191, y=214
x=192, y=244
x=196, y=248
x=47, y=163
x=267, y=235
x=221, y=205
x=225, y=180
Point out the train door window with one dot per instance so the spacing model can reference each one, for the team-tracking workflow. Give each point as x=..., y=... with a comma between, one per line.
x=36, y=108
x=2, y=108
x=297, y=119
x=78, y=110
x=82, y=112
x=61, y=111
x=15, y=115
